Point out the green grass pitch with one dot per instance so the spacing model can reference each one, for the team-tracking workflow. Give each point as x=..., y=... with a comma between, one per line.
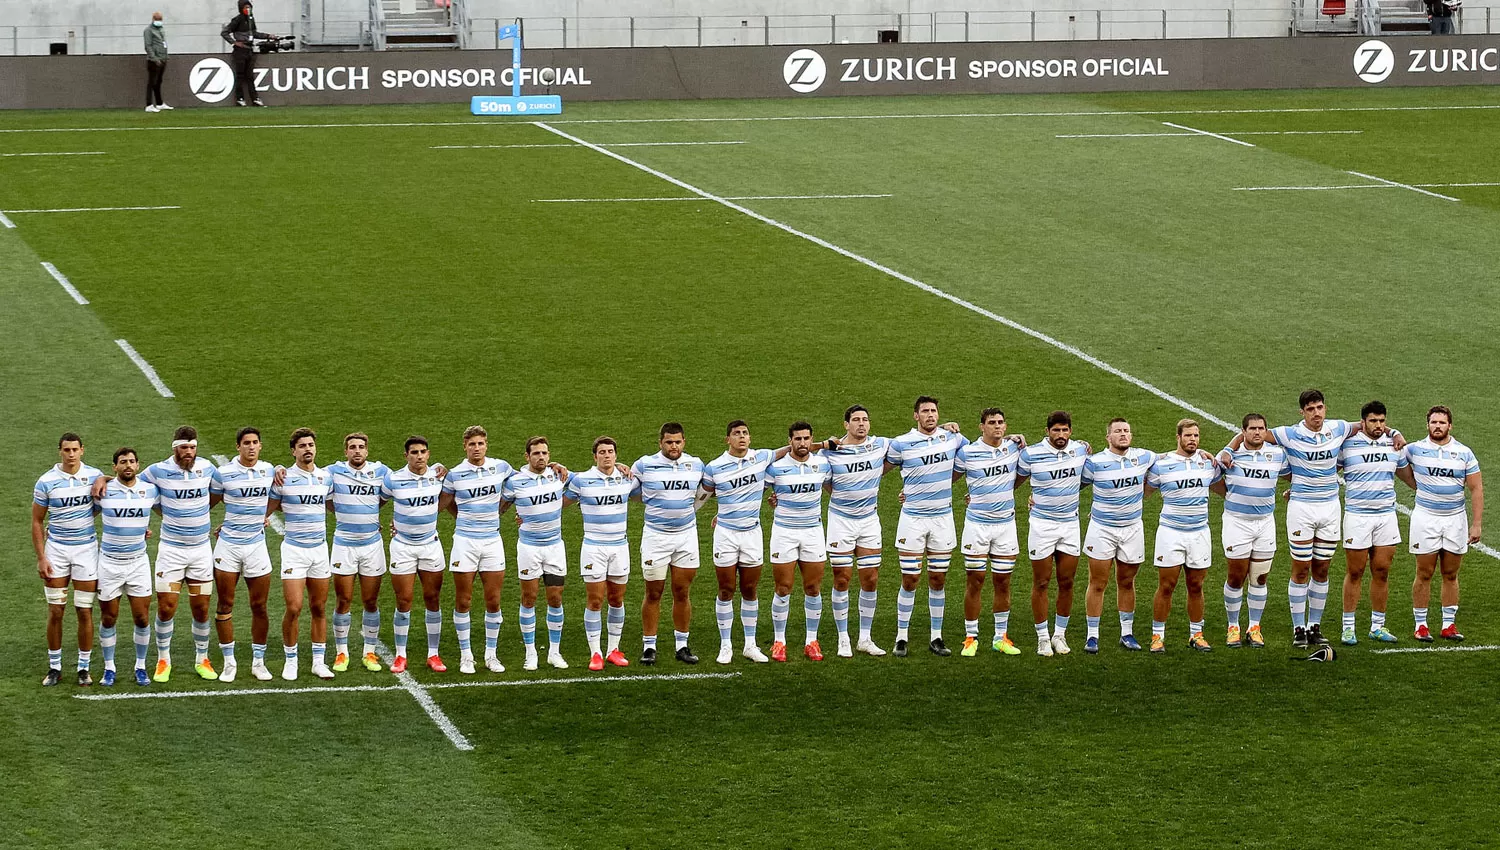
x=347, y=275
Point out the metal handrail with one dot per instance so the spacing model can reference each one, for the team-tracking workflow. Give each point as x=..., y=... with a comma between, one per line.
x=458, y=15
x=377, y=25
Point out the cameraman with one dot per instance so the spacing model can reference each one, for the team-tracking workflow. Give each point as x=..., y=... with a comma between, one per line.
x=241, y=32
x=1440, y=15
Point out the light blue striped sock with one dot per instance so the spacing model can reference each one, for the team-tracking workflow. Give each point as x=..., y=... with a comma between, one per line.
x=936, y=600
x=841, y=612
x=492, y=621
x=461, y=626
x=1317, y=600
x=434, y=631
x=593, y=624
x=257, y=652
x=812, y=613
x=528, y=626
x=867, y=599
x=1297, y=599
x=1002, y=623
x=164, y=629
x=369, y=629
x=554, y=627
x=1060, y=624
x=54, y=659
x=1093, y=624
x=1257, y=594
x=107, y=645
x=724, y=616
x=142, y=645
x=341, y=624
x=401, y=628
x=1127, y=623
x=749, y=619
x=290, y=651
x=615, y=624
x=906, y=600
x=781, y=606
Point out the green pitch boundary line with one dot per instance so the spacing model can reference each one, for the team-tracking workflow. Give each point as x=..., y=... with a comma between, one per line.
x=947, y=296
x=351, y=689
x=756, y=118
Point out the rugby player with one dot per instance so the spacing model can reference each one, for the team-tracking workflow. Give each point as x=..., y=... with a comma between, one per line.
x=1055, y=469
x=415, y=549
x=1442, y=469
x=989, y=539
x=124, y=566
x=603, y=496
x=1116, y=536
x=62, y=533
x=925, y=456
x=856, y=464
x=669, y=481
x=536, y=491
x=737, y=480
x=1370, y=463
x=1184, y=476
x=357, y=547
x=1251, y=467
x=797, y=541
x=471, y=492
x=302, y=498
x=183, y=555
x=243, y=484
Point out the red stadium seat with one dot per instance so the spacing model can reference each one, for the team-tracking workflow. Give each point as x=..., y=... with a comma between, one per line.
x=1334, y=8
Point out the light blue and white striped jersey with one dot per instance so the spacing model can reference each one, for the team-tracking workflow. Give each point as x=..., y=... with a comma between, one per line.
x=926, y=463
x=476, y=495
x=1056, y=477
x=738, y=484
x=304, y=503
x=1370, y=473
x=245, y=490
x=126, y=514
x=605, y=503
x=1440, y=471
x=856, y=472
x=356, y=502
x=990, y=472
x=414, y=501
x=183, y=497
x=1314, y=456
x=667, y=490
x=1250, y=484
x=798, y=486
x=538, y=499
x=1184, y=483
x=1119, y=483
x=69, y=501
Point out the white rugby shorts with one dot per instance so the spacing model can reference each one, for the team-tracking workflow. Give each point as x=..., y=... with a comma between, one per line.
x=366, y=560
x=80, y=563
x=1046, y=536
x=1433, y=532
x=533, y=562
x=130, y=576
x=924, y=534
x=990, y=540
x=738, y=548
x=798, y=545
x=1244, y=535
x=251, y=560
x=1364, y=531
x=407, y=558
x=473, y=555
x=662, y=549
x=1174, y=548
x=1308, y=521
x=845, y=535
x=179, y=564
x=304, y=562
x=598, y=561
x=1107, y=542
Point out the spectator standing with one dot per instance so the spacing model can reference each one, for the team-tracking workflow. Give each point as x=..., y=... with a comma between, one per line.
x=1440, y=16
x=156, y=63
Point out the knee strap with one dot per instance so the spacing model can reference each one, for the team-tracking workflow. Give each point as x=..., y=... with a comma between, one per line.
x=844, y=561
x=84, y=599
x=202, y=588
x=56, y=595
x=1323, y=550
x=868, y=562
x=1259, y=569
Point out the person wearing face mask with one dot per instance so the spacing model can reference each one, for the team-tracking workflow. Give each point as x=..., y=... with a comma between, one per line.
x=156, y=63
x=241, y=33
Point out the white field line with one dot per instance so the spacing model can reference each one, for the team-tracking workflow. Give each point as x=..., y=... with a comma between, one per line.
x=560, y=145
x=696, y=198
x=1206, y=133
x=419, y=693
x=9, y=225
x=1355, y=186
x=1246, y=133
x=65, y=283
x=1472, y=648
x=759, y=118
x=91, y=209
x=1402, y=186
x=56, y=153
x=353, y=689
x=145, y=368
x=277, y=524
x=933, y=290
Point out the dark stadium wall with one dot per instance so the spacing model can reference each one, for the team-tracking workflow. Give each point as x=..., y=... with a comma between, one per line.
x=46, y=82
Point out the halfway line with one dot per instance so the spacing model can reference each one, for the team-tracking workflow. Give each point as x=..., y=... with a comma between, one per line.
x=145, y=368
x=1476, y=648
x=1206, y=133
x=91, y=209
x=933, y=290
x=695, y=198
x=65, y=283
x=1401, y=185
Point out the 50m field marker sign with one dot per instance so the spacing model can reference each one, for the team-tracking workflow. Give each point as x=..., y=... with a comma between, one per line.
x=948, y=296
